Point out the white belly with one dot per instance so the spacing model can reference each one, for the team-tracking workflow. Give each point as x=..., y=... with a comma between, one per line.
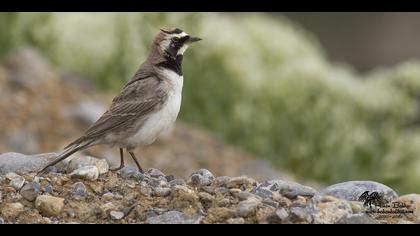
x=161, y=122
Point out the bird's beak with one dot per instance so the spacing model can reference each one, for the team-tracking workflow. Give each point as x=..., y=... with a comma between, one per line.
x=193, y=39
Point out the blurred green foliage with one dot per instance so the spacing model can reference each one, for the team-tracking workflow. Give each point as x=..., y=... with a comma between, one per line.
x=259, y=82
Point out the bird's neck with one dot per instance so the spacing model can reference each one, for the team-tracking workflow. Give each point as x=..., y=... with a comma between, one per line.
x=172, y=63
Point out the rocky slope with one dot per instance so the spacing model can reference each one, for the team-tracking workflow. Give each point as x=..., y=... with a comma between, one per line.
x=42, y=110
x=83, y=190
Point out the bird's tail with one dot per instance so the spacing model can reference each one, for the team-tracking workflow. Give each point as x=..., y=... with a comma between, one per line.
x=66, y=153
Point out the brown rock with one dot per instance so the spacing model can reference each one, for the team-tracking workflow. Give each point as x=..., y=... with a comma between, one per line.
x=12, y=210
x=48, y=205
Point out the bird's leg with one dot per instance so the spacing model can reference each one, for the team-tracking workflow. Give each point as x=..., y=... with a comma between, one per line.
x=121, y=161
x=135, y=160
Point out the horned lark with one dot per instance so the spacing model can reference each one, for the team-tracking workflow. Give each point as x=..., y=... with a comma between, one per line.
x=147, y=105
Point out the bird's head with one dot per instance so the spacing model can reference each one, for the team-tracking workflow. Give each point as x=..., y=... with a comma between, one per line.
x=173, y=42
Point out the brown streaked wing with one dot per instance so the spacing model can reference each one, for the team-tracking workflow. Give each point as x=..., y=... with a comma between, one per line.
x=133, y=103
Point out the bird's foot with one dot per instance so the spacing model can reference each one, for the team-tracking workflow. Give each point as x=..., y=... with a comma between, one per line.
x=118, y=168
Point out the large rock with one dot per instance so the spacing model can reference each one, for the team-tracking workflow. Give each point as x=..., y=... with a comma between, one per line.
x=173, y=217
x=82, y=161
x=352, y=190
x=20, y=163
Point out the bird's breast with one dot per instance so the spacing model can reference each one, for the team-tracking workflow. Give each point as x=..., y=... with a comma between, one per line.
x=161, y=122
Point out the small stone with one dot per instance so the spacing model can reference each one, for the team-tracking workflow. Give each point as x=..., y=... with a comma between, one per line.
x=130, y=172
x=48, y=188
x=331, y=212
x=17, y=182
x=360, y=218
x=116, y=215
x=205, y=197
x=48, y=205
x=30, y=191
x=269, y=202
x=161, y=192
x=221, y=181
x=86, y=172
x=238, y=220
x=282, y=214
x=173, y=217
x=84, y=161
x=1, y=221
x=11, y=175
x=248, y=207
x=11, y=210
x=410, y=202
x=108, y=196
x=145, y=189
x=244, y=195
x=169, y=178
x=352, y=190
x=221, y=190
x=176, y=182
x=79, y=189
x=154, y=172
x=288, y=189
x=300, y=214
x=202, y=177
x=242, y=182
x=263, y=193
x=107, y=207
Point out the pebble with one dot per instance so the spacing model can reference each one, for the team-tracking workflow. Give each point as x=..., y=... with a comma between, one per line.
x=221, y=181
x=248, y=207
x=116, y=215
x=242, y=182
x=205, y=197
x=202, y=177
x=84, y=161
x=12, y=210
x=79, y=189
x=17, y=182
x=48, y=205
x=86, y=173
x=161, y=192
x=145, y=189
x=155, y=173
x=412, y=202
x=131, y=172
x=352, y=190
x=288, y=189
x=238, y=220
x=330, y=212
x=173, y=217
x=282, y=214
x=108, y=196
x=299, y=214
x=30, y=191
x=176, y=182
x=48, y=188
x=360, y=218
x=1, y=221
